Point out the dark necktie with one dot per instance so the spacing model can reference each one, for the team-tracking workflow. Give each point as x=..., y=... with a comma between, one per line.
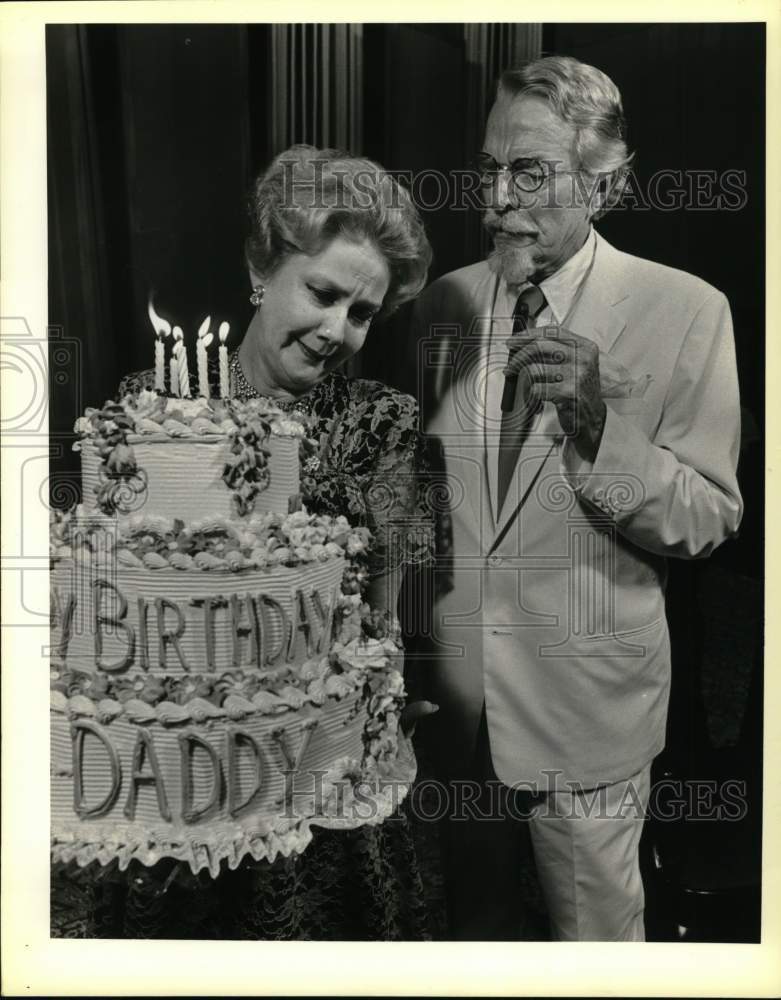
x=516, y=421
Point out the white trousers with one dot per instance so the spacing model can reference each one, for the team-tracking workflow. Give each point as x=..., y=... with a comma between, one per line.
x=586, y=851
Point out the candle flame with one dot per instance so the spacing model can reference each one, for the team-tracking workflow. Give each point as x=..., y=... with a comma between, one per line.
x=178, y=335
x=161, y=326
x=203, y=329
x=207, y=339
x=224, y=331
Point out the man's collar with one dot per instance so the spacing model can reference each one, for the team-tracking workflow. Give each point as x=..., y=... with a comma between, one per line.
x=561, y=287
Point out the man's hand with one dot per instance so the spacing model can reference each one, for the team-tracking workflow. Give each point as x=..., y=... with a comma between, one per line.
x=559, y=366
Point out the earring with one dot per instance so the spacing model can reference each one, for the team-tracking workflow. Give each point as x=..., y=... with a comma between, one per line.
x=258, y=291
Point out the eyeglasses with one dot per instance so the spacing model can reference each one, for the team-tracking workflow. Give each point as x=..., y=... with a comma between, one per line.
x=527, y=175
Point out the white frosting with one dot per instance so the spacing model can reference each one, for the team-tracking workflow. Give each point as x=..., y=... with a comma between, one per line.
x=326, y=712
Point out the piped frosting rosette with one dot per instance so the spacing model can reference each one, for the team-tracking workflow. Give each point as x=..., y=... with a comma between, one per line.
x=213, y=543
x=146, y=413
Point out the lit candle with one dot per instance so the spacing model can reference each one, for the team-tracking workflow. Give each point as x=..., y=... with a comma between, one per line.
x=204, y=339
x=159, y=364
x=224, y=371
x=173, y=371
x=184, y=371
x=162, y=329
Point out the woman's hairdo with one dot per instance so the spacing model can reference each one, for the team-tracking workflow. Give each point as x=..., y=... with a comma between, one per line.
x=587, y=99
x=308, y=196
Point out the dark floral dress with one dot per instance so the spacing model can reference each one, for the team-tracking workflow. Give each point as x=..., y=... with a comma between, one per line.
x=372, y=883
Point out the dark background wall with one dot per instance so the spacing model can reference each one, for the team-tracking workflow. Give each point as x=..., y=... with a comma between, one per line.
x=694, y=100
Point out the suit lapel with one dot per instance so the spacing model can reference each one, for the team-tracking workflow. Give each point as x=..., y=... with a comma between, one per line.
x=600, y=314
x=535, y=450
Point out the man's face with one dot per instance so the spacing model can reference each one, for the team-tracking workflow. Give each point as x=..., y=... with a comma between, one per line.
x=534, y=232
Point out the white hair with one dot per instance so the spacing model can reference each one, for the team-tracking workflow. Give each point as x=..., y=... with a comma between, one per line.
x=588, y=100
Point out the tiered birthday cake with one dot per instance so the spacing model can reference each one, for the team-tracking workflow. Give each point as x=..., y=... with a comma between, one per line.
x=213, y=692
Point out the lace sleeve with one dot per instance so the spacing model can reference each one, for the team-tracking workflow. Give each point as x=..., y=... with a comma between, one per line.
x=395, y=492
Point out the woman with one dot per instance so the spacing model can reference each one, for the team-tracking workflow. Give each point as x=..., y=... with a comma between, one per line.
x=335, y=242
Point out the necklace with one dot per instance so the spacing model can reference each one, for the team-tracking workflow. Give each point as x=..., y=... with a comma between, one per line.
x=242, y=387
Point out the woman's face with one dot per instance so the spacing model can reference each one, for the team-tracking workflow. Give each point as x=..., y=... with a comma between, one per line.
x=315, y=314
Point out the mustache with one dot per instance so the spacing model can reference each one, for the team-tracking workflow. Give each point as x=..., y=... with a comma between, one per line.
x=509, y=223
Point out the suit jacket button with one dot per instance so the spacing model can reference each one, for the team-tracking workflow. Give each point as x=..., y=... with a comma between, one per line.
x=495, y=560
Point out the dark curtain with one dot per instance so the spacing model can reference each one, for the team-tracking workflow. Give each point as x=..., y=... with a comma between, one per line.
x=416, y=94
x=80, y=301
x=150, y=154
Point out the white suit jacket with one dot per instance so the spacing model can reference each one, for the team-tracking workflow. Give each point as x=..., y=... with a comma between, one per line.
x=555, y=618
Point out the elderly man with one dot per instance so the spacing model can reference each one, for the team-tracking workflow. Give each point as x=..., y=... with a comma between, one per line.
x=586, y=402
